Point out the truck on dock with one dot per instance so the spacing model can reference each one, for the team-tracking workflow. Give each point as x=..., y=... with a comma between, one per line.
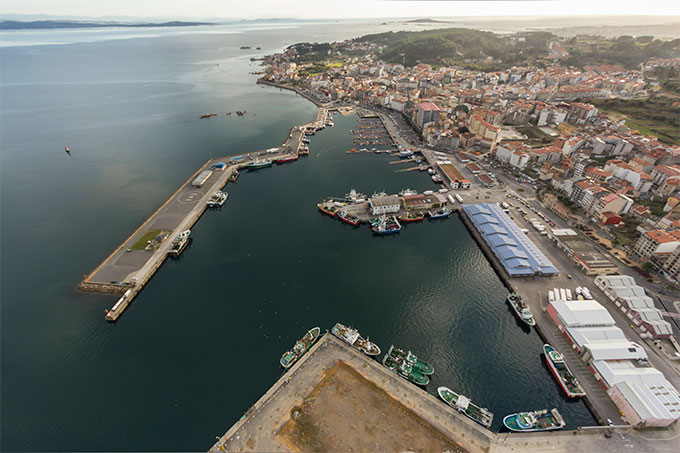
x=202, y=178
x=237, y=159
x=459, y=198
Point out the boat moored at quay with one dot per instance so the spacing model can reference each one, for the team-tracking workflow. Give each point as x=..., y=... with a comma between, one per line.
x=217, y=199
x=385, y=225
x=348, y=218
x=353, y=338
x=286, y=158
x=258, y=163
x=179, y=244
x=328, y=208
x=412, y=217
x=463, y=404
x=564, y=376
x=396, y=360
x=521, y=309
x=543, y=420
x=440, y=213
x=301, y=346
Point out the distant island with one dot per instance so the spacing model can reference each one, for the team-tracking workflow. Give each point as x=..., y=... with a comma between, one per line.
x=53, y=24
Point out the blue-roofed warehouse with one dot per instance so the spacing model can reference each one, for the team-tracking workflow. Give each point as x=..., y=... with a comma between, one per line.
x=515, y=251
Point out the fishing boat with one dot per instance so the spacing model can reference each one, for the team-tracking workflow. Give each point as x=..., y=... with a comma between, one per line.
x=327, y=208
x=544, y=420
x=564, y=376
x=179, y=244
x=394, y=360
x=412, y=217
x=407, y=192
x=208, y=115
x=353, y=338
x=259, y=163
x=304, y=151
x=521, y=309
x=463, y=404
x=286, y=158
x=234, y=176
x=439, y=214
x=355, y=197
x=385, y=225
x=301, y=346
x=348, y=218
x=217, y=199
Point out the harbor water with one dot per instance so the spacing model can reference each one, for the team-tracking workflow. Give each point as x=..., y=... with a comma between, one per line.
x=201, y=343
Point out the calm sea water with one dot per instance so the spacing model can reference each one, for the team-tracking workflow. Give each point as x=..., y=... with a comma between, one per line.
x=201, y=343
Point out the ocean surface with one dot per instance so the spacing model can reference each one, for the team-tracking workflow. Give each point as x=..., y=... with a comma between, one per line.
x=201, y=343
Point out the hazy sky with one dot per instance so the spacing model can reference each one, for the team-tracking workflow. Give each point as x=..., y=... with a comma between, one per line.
x=186, y=9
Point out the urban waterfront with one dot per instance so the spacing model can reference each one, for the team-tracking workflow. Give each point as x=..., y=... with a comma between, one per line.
x=201, y=343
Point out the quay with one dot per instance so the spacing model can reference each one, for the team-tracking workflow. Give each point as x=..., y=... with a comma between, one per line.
x=130, y=266
x=394, y=411
x=337, y=399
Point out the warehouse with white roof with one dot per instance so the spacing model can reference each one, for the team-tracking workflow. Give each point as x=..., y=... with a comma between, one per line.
x=635, y=303
x=642, y=393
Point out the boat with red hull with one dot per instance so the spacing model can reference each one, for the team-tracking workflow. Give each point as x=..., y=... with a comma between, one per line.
x=327, y=209
x=412, y=217
x=348, y=218
x=564, y=376
x=284, y=159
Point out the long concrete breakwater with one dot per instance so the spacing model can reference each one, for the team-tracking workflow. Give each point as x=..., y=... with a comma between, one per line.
x=131, y=265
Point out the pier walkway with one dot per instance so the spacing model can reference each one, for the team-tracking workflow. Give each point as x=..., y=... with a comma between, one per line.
x=130, y=266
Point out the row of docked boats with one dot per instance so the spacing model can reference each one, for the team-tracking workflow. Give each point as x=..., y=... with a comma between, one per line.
x=408, y=366
x=554, y=358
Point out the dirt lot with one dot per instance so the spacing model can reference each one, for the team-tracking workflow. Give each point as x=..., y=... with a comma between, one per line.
x=347, y=412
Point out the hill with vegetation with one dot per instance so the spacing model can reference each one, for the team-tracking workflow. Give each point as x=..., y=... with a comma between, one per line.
x=461, y=46
x=658, y=115
x=625, y=51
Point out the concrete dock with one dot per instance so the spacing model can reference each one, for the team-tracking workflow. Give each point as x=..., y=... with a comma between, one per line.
x=267, y=424
x=261, y=427
x=128, y=268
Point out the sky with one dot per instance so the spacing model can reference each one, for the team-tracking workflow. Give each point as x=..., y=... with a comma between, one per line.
x=304, y=9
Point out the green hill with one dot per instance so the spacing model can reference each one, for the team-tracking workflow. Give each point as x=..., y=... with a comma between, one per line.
x=461, y=46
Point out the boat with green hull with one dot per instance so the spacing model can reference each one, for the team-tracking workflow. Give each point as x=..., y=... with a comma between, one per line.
x=259, y=163
x=543, y=420
x=396, y=360
x=301, y=346
x=463, y=404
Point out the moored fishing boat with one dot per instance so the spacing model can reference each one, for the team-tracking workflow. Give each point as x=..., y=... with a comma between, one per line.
x=179, y=244
x=412, y=217
x=353, y=338
x=564, y=376
x=259, y=163
x=440, y=213
x=327, y=208
x=394, y=360
x=385, y=225
x=463, y=404
x=348, y=218
x=544, y=420
x=286, y=158
x=301, y=346
x=217, y=199
x=521, y=309
x=234, y=176
x=406, y=192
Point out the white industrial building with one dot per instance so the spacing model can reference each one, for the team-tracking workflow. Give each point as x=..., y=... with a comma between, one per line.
x=384, y=205
x=634, y=302
x=642, y=393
